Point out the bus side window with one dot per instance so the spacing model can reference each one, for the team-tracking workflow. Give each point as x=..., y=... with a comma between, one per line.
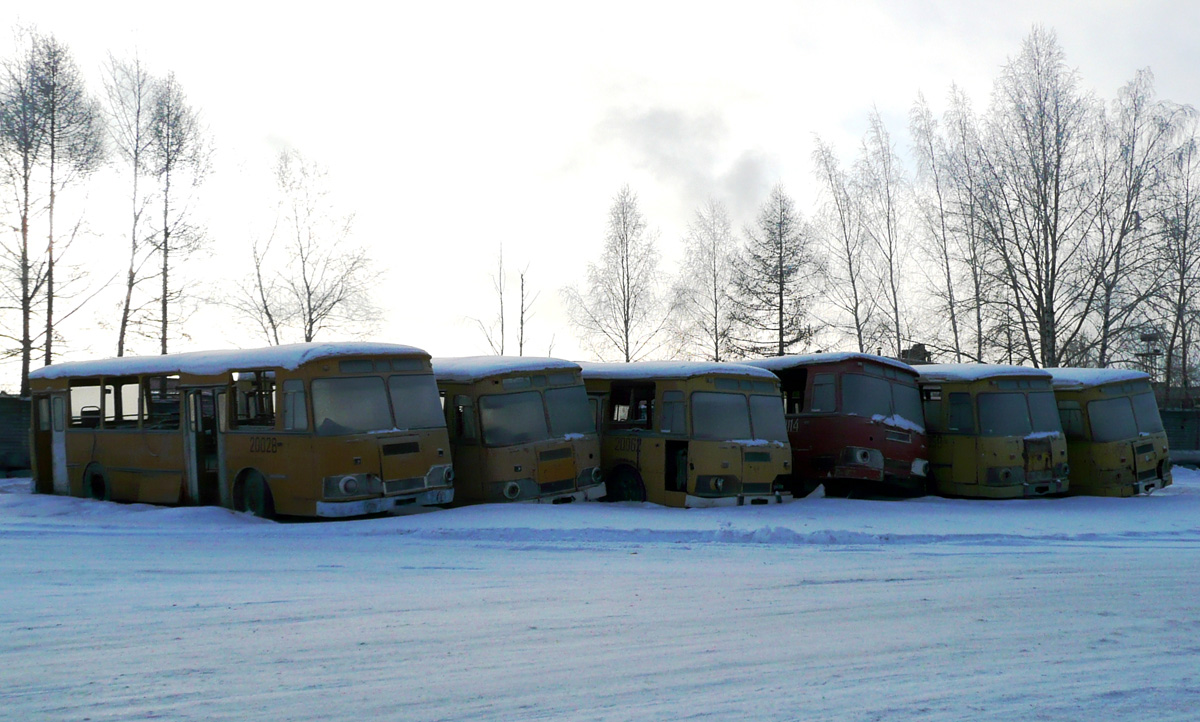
x=672, y=413
x=43, y=414
x=1071, y=415
x=160, y=400
x=255, y=398
x=295, y=409
x=632, y=405
x=121, y=403
x=962, y=415
x=823, y=396
x=59, y=413
x=464, y=418
x=931, y=401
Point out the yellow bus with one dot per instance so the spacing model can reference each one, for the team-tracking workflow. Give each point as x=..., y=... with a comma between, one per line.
x=520, y=430
x=994, y=431
x=318, y=430
x=690, y=434
x=1115, y=436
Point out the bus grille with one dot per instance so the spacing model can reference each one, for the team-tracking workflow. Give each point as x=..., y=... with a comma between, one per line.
x=1147, y=474
x=899, y=436
x=1144, y=449
x=397, y=486
x=756, y=488
x=554, y=454
x=554, y=487
x=408, y=447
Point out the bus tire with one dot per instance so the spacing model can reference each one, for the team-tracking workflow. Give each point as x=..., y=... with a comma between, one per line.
x=95, y=485
x=626, y=485
x=256, y=496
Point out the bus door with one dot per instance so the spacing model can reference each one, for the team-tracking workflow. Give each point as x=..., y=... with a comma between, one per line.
x=49, y=450
x=204, y=447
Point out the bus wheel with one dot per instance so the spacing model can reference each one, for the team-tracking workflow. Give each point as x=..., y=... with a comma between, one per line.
x=95, y=486
x=626, y=486
x=257, y=496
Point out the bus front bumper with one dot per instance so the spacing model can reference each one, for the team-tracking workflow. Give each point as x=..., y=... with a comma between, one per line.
x=591, y=493
x=379, y=505
x=704, y=502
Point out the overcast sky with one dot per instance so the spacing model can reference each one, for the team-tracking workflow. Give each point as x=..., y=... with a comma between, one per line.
x=450, y=128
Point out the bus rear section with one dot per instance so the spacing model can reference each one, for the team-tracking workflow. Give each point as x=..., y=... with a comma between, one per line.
x=855, y=424
x=1115, y=436
x=994, y=431
x=324, y=430
x=690, y=434
x=521, y=430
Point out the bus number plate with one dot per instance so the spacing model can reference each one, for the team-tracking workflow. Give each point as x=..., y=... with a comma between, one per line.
x=626, y=443
x=263, y=444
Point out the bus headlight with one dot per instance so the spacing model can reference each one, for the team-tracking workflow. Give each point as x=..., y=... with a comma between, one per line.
x=597, y=475
x=863, y=456
x=343, y=485
x=718, y=484
x=512, y=490
x=449, y=475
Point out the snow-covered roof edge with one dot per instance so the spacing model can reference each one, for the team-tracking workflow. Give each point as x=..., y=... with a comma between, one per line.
x=779, y=363
x=469, y=369
x=1078, y=378
x=669, y=369
x=205, y=363
x=974, y=372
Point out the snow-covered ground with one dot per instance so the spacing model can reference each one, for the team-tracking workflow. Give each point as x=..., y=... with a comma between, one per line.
x=823, y=609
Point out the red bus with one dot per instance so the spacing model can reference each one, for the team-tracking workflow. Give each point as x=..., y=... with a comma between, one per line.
x=855, y=424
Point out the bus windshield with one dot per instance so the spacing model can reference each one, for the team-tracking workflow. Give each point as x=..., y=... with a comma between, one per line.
x=866, y=395
x=906, y=403
x=1146, y=411
x=1004, y=414
x=415, y=401
x=1112, y=419
x=720, y=416
x=510, y=419
x=350, y=405
x=1043, y=411
x=766, y=412
x=569, y=411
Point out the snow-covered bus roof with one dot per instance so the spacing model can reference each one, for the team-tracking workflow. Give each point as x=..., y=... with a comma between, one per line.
x=208, y=363
x=639, y=370
x=975, y=372
x=1080, y=378
x=781, y=363
x=469, y=369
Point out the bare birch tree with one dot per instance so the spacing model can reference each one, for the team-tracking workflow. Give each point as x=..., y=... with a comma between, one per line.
x=881, y=189
x=1131, y=156
x=1036, y=199
x=623, y=308
x=706, y=309
x=933, y=207
x=848, y=284
x=524, y=310
x=493, y=332
x=74, y=147
x=129, y=89
x=178, y=156
x=309, y=275
x=22, y=145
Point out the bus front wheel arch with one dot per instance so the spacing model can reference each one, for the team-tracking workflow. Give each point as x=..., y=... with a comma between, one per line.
x=95, y=484
x=625, y=484
x=252, y=493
